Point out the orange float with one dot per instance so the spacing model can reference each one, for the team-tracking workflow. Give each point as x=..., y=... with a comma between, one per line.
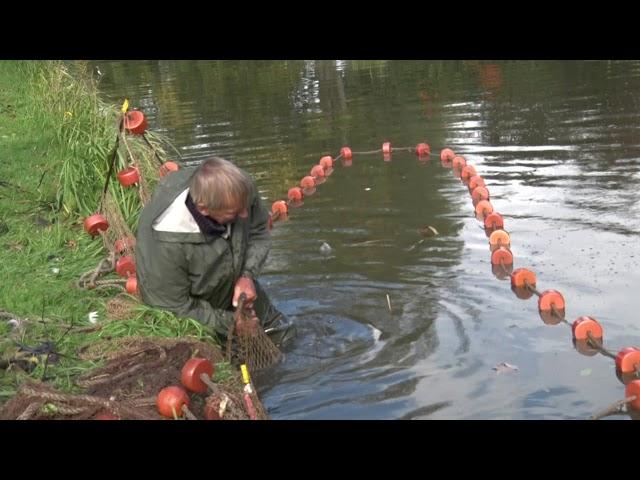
x=483, y=208
x=423, y=149
x=132, y=285
x=467, y=172
x=295, y=195
x=627, y=359
x=326, y=162
x=308, y=182
x=125, y=266
x=501, y=256
x=135, y=122
x=522, y=277
x=96, y=223
x=168, y=167
x=129, y=176
x=318, y=172
x=308, y=185
x=582, y=326
x=550, y=299
x=346, y=153
x=479, y=193
x=172, y=400
x=499, y=238
x=551, y=307
x=625, y=378
x=633, y=390
x=279, y=209
x=476, y=181
x=447, y=155
x=192, y=374
x=458, y=162
x=493, y=221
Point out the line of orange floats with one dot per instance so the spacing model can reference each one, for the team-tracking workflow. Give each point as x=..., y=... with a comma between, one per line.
x=319, y=173
x=134, y=122
x=587, y=332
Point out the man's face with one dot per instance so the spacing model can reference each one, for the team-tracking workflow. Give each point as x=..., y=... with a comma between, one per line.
x=223, y=216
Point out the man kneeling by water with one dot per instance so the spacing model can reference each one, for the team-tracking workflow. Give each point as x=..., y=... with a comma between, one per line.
x=201, y=242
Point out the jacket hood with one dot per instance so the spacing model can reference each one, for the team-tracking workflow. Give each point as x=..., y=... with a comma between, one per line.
x=167, y=214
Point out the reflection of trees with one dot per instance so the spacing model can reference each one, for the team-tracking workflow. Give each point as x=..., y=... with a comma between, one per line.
x=279, y=117
x=590, y=106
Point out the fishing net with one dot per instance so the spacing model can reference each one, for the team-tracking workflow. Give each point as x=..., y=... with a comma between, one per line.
x=120, y=307
x=118, y=241
x=247, y=341
x=135, y=370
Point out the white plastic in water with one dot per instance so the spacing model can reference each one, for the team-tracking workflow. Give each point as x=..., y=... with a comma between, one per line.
x=325, y=248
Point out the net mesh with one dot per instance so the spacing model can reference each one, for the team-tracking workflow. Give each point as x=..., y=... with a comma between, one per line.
x=248, y=343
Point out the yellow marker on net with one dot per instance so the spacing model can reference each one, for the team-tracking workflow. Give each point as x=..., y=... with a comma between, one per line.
x=245, y=373
x=125, y=105
x=245, y=378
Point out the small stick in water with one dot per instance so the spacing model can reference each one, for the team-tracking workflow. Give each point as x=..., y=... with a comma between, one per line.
x=389, y=302
x=415, y=245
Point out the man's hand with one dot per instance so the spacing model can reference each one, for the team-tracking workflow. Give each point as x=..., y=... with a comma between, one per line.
x=244, y=285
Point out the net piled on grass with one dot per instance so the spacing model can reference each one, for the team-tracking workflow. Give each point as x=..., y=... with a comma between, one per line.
x=120, y=307
x=247, y=341
x=126, y=386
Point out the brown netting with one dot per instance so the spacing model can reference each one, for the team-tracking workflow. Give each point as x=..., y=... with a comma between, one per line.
x=118, y=241
x=118, y=228
x=136, y=369
x=249, y=344
x=120, y=307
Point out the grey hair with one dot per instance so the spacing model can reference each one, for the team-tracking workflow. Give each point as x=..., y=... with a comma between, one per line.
x=219, y=185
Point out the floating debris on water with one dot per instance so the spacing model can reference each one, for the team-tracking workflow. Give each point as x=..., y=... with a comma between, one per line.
x=428, y=231
x=325, y=248
x=505, y=367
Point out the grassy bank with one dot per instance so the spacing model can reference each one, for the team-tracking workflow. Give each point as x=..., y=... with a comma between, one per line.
x=55, y=135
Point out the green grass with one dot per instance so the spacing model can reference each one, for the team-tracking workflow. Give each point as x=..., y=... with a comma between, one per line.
x=52, y=168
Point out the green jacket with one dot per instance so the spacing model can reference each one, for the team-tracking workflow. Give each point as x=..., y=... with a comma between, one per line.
x=179, y=271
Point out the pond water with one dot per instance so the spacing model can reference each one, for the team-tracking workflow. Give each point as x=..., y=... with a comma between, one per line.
x=558, y=144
